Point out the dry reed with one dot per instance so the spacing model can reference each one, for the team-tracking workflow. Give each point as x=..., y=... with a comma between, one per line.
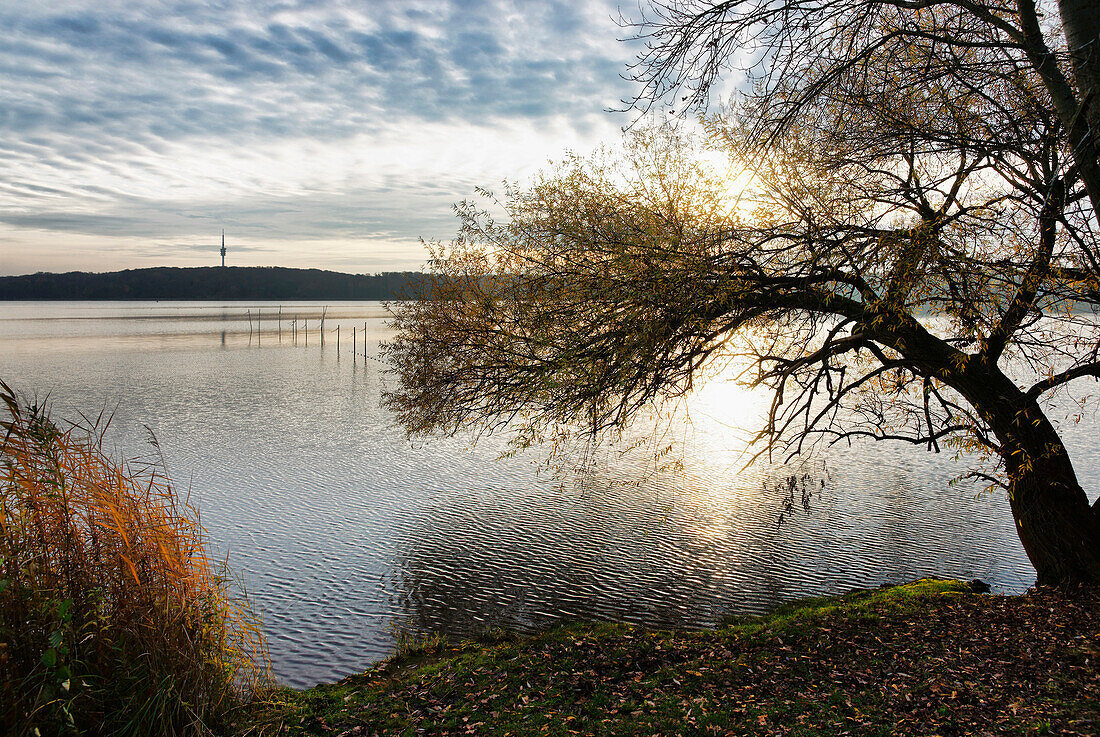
x=113, y=619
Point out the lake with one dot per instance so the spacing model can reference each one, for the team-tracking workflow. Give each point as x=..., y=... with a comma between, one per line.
x=345, y=532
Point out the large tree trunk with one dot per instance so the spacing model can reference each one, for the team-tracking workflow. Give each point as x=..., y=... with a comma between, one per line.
x=1078, y=109
x=1055, y=523
x=1081, y=23
x=1059, y=529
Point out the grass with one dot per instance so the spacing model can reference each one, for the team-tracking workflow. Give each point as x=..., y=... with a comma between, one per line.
x=113, y=620
x=927, y=658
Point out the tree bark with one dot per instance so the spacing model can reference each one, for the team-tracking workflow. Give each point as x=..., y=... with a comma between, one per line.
x=1055, y=523
x=1081, y=25
x=1059, y=529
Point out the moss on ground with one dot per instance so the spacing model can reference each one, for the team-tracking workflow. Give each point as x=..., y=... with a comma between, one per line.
x=930, y=657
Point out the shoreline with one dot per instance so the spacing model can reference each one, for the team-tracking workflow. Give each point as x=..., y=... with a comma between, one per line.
x=927, y=657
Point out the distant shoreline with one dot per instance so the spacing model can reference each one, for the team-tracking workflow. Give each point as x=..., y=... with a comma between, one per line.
x=212, y=283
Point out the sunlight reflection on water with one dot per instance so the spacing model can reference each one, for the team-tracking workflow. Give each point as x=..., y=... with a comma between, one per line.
x=343, y=530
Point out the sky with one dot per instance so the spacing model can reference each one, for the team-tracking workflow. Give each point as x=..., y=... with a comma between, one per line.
x=317, y=133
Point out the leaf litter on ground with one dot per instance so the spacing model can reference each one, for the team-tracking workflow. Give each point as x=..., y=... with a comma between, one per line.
x=926, y=658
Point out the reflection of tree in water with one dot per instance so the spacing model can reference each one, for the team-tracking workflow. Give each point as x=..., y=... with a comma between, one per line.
x=806, y=485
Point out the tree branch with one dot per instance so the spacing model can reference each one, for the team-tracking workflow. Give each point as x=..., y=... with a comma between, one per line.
x=1089, y=369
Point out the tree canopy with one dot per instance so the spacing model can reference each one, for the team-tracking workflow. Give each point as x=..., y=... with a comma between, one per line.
x=919, y=263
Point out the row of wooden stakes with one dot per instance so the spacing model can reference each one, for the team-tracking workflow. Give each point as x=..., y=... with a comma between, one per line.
x=301, y=327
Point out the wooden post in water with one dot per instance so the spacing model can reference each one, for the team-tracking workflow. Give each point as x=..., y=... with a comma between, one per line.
x=249, y=325
x=280, y=323
x=353, y=343
x=337, y=341
x=258, y=329
x=322, y=331
x=364, y=342
x=305, y=330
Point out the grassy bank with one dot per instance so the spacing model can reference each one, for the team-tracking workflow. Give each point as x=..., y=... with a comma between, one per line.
x=930, y=657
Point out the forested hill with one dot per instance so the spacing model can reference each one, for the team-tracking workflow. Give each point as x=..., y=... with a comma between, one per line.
x=213, y=282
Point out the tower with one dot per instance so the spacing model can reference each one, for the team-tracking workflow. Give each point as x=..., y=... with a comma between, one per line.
x=223, y=249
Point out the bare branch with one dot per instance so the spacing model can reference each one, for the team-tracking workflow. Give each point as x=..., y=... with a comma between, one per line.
x=1064, y=377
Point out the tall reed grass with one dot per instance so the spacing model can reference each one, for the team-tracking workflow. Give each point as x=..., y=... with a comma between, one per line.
x=113, y=619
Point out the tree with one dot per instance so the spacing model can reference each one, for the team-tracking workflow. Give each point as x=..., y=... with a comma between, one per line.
x=921, y=265
x=803, y=49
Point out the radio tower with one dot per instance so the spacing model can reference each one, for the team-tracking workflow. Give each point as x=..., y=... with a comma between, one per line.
x=223, y=249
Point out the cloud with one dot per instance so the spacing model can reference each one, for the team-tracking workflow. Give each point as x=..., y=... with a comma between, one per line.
x=175, y=70
x=362, y=214
x=289, y=118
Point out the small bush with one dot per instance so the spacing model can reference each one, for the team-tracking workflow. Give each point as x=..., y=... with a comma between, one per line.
x=113, y=620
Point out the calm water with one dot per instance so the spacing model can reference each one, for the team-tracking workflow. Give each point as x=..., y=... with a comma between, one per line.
x=345, y=532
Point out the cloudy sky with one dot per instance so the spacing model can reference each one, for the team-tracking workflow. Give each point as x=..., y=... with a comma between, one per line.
x=327, y=133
